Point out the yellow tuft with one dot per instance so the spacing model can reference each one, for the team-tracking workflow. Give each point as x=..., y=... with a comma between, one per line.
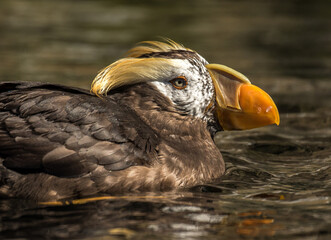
x=133, y=70
x=156, y=46
x=129, y=71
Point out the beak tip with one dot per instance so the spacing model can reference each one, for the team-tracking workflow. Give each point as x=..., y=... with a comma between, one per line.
x=274, y=114
x=277, y=119
x=257, y=110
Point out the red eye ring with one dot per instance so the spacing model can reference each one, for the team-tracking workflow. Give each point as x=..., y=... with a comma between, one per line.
x=179, y=82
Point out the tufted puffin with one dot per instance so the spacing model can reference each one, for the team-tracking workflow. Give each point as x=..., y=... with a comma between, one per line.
x=147, y=124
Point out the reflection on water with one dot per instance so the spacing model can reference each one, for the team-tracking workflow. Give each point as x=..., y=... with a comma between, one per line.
x=278, y=179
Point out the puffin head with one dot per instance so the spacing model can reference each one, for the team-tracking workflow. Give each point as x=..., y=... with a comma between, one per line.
x=215, y=93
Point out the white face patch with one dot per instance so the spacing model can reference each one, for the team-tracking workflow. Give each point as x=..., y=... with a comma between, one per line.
x=194, y=99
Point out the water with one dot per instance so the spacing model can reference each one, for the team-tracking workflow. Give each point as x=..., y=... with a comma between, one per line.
x=278, y=179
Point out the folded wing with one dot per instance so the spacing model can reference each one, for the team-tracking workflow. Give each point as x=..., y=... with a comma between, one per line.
x=68, y=132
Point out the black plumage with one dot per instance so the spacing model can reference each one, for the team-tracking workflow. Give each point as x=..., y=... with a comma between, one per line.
x=59, y=142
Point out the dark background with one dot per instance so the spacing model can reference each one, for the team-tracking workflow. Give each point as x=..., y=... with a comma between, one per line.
x=278, y=179
x=283, y=46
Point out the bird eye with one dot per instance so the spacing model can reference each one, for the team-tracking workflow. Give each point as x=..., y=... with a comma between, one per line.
x=179, y=82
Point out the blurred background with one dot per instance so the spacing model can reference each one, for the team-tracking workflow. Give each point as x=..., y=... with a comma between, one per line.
x=283, y=46
x=278, y=179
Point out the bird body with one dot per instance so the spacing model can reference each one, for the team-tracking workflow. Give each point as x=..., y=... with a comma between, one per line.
x=146, y=125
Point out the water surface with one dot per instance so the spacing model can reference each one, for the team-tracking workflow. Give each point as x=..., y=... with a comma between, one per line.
x=278, y=179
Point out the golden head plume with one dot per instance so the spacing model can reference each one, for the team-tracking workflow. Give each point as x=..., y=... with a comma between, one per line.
x=147, y=47
x=131, y=70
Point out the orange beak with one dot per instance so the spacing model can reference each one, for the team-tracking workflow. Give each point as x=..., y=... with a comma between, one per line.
x=239, y=104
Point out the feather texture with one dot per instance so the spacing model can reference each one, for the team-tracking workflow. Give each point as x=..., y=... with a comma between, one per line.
x=59, y=142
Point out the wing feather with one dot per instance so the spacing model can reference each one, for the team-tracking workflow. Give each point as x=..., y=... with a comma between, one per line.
x=68, y=132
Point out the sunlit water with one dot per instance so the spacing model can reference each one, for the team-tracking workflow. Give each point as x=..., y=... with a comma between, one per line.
x=278, y=179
